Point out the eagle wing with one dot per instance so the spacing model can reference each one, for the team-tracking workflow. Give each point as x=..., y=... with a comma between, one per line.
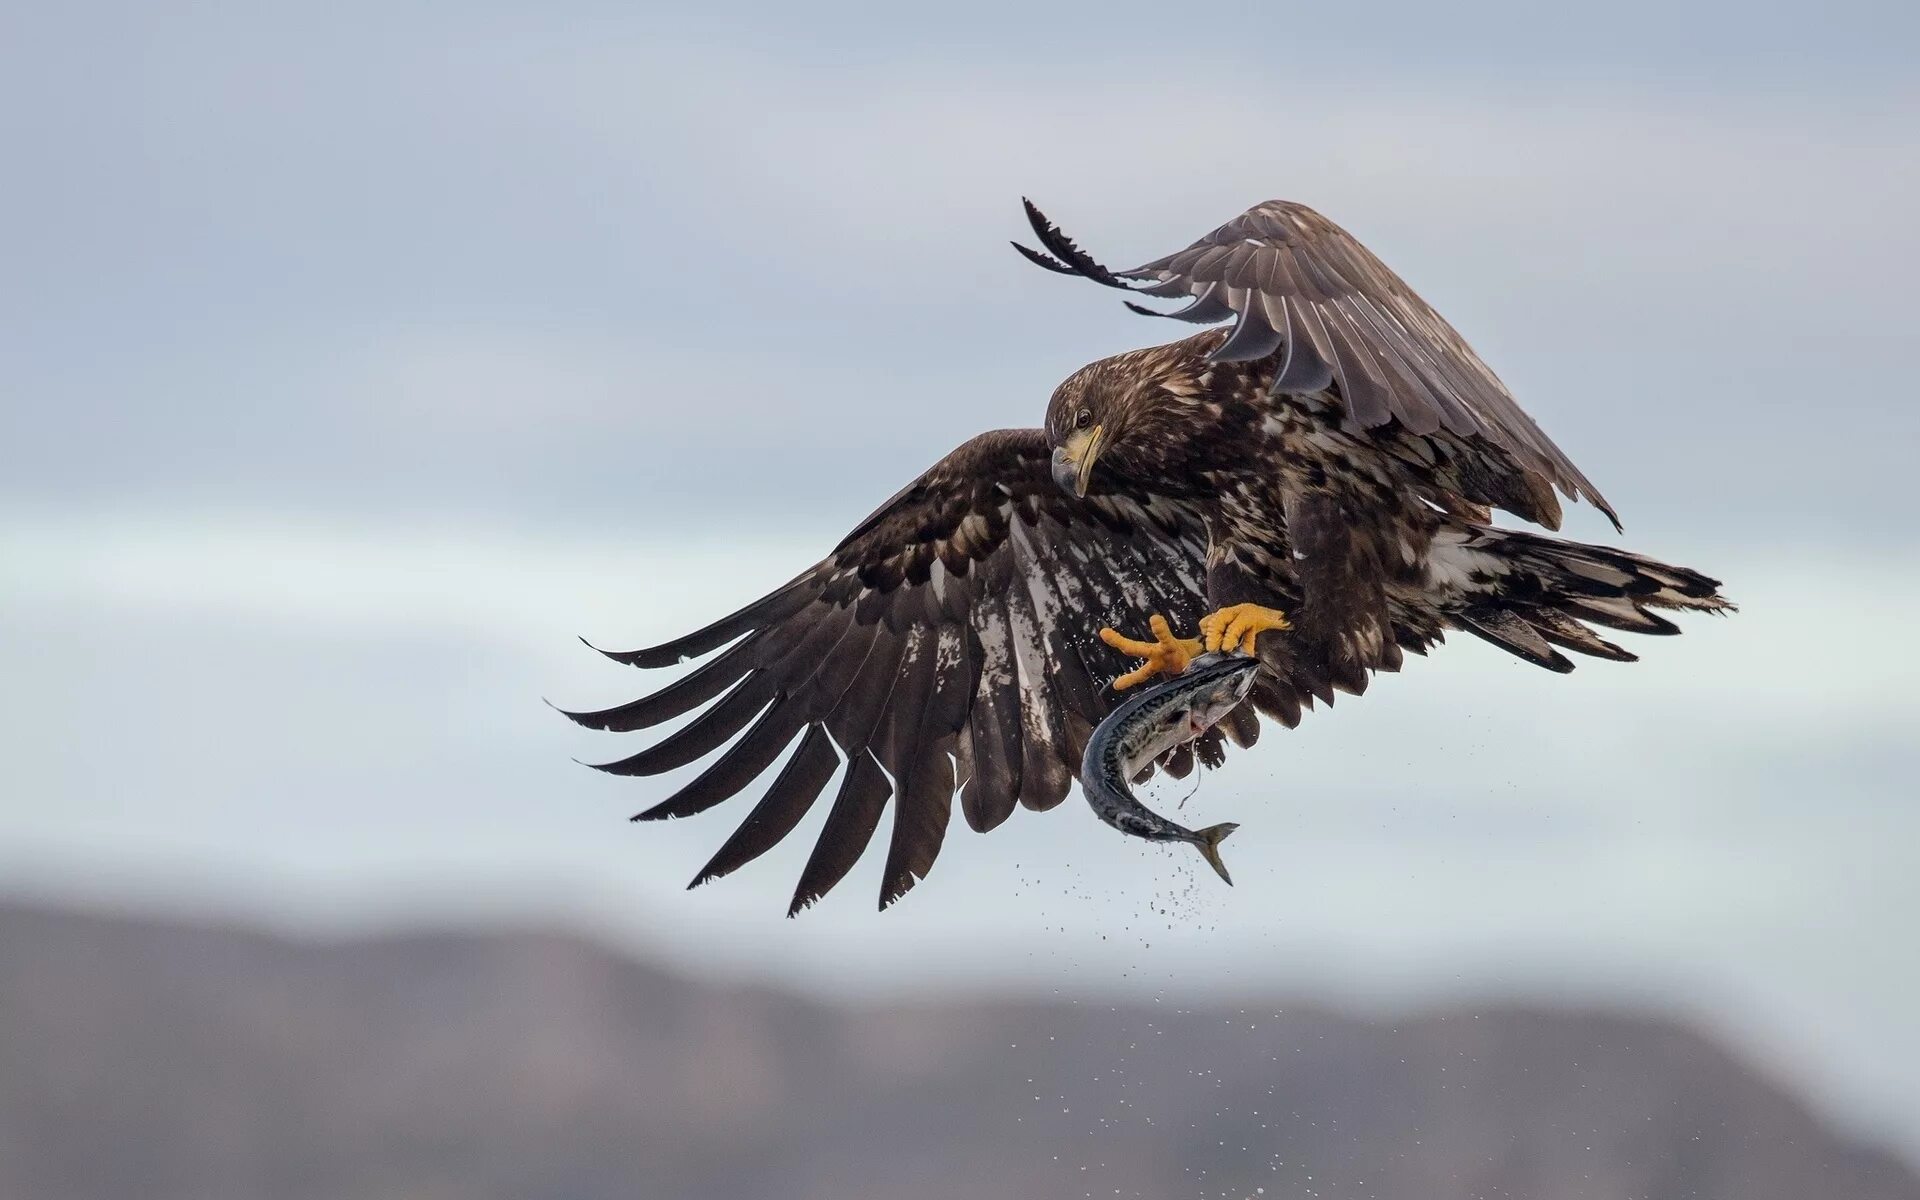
x=950, y=642
x=1303, y=290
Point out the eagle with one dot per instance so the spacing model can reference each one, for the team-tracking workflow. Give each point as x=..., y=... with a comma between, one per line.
x=1311, y=479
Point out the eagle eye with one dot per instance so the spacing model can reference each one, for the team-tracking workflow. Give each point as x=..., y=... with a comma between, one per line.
x=1083, y=419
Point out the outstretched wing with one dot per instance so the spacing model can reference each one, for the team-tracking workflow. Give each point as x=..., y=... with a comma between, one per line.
x=1305, y=291
x=950, y=642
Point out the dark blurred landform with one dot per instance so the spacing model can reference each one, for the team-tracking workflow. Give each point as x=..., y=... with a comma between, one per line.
x=166, y=1060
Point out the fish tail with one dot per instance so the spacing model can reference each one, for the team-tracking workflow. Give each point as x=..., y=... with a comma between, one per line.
x=1209, y=843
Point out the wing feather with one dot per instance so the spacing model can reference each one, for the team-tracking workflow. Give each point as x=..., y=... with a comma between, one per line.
x=863, y=795
x=739, y=766
x=772, y=607
x=701, y=736
x=780, y=810
x=1303, y=288
x=919, y=824
x=995, y=748
x=677, y=699
x=947, y=644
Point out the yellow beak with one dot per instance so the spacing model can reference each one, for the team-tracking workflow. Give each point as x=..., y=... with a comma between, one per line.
x=1073, y=461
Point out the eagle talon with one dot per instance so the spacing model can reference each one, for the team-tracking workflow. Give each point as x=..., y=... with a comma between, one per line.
x=1165, y=655
x=1238, y=627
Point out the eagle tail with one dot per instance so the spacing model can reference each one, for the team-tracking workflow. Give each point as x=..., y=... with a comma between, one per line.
x=1528, y=593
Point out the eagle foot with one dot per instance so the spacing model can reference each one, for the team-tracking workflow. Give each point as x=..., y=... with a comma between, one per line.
x=1164, y=655
x=1238, y=626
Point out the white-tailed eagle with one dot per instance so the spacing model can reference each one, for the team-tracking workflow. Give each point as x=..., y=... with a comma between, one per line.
x=1313, y=483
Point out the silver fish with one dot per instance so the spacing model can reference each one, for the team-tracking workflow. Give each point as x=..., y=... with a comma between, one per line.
x=1148, y=725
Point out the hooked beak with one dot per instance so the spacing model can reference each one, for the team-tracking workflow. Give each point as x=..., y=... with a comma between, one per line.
x=1073, y=461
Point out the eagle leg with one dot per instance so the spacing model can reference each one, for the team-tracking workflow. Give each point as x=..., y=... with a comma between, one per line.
x=1238, y=626
x=1164, y=655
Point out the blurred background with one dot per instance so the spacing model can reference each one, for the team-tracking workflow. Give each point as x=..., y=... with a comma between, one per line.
x=355, y=358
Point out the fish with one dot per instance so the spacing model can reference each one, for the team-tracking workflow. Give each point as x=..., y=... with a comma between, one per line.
x=1148, y=725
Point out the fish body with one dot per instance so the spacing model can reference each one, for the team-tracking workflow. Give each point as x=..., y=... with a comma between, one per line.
x=1148, y=725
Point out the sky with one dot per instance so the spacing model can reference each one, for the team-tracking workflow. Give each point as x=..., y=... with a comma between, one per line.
x=355, y=359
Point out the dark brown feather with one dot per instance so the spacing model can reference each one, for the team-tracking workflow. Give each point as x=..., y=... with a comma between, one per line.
x=948, y=643
x=1511, y=633
x=767, y=610
x=855, y=814
x=740, y=765
x=701, y=736
x=919, y=823
x=677, y=699
x=1305, y=284
x=780, y=810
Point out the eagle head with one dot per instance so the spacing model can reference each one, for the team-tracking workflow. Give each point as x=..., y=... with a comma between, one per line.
x=1131, y=413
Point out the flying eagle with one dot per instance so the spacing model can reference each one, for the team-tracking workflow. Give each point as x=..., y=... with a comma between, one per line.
x=1313, y=483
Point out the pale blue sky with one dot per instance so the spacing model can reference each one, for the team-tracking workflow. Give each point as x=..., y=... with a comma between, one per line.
x=354, y=358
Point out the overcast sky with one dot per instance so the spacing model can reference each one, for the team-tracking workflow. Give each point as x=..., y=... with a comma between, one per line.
x=353, y=359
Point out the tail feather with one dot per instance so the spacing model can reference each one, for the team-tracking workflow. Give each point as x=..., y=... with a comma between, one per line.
x=1527, y=593
x=1209, y=844
x=1622, y=614
x=1563, y=630
x=1516, y=635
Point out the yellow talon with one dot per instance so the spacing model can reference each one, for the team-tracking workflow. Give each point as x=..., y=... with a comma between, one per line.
x=1165, y=655
x=1237, y=627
